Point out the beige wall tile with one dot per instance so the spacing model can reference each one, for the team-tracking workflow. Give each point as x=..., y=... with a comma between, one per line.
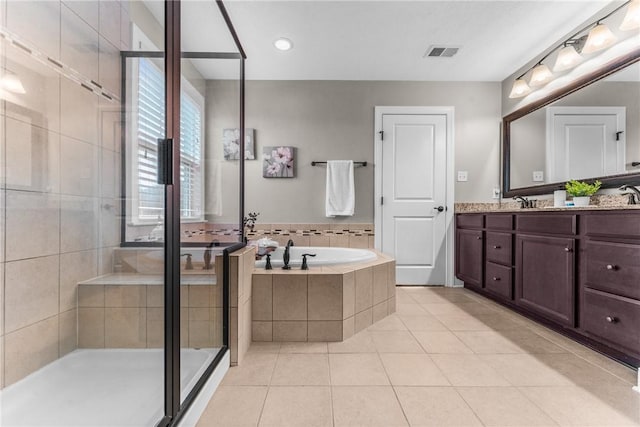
x=361, y=241
x=79, y=223
x=2, y=307
x=380, y=280
x=391, y=281
x=68, y=331
x=155, y=327
x=364, y=289
x=125, y=327
x=29, y=349
x=31, y=291
x=348, y=327
x=320, y=241
x=125, y=260
x=91, y=327
x=200, y=328
x=87, y=10
x=249, y=260
x=363, y=320
x=109, y=179
x=324, y=330
x=380, y=311
x=261, y=331
x=155, y=296
x=372, y=242
x=200, y=296
x=37, y=22
x=233, y=335
x=290, y=297
x=109, y=25
x=348, y=294
x=339, y=240
x=125, y=28
x=75, y=267
x=262, y=299
x=391, y=305
x=236, y=276
x=325, y=297
x=32, y=214
x=79, y=167
x=79, y=42
x=91, y=296
x=125, y=295
x=289, y=331
x=151, y=262
x=1, y=361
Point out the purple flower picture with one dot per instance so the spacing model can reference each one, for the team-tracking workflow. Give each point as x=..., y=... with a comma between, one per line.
x=278, y=162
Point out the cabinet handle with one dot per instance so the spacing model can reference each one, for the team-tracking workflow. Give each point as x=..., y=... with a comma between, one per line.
x=496, y=246
x=568, y=250
x=478, y=238
x=496, y=279
x=612, y=319
x=612, y=267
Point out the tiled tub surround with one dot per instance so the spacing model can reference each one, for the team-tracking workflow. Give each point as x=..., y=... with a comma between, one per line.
x=59, y=175
x=328, y=303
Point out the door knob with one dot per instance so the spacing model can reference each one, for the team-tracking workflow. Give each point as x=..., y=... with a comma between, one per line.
x=611, y=319
x=568, y=249
x=612, y=267
x=439, y=208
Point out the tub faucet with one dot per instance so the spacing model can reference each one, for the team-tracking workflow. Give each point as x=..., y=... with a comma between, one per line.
x=189, y=264
x=634, y=195
x=286, y=256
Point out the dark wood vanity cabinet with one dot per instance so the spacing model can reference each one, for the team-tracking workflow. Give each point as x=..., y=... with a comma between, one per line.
x=576, y=271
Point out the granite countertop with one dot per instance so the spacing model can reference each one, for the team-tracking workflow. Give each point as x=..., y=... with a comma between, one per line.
x=149, y=279
x=604, y=202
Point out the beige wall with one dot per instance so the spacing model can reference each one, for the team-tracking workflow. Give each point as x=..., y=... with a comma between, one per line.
x=335, y=120
x=59, y=175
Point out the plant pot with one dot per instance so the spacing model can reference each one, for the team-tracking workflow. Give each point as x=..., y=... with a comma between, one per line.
x=581, y=201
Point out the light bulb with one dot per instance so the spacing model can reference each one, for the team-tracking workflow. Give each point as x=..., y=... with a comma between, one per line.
x=540, y=75
x=520, y=88
x=632, y=18
x=600, y=37
x=283, y=44
x=12, y=83
x=567, y=58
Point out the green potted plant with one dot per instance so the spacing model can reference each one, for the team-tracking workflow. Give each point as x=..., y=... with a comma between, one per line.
x=582, y=191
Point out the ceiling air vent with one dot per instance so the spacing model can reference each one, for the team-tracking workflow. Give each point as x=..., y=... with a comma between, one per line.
x=441, y=51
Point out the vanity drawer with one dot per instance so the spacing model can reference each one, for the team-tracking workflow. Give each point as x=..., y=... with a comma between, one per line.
x=613, y=318
x=547, y=224
x=470, y=220
x=613, y=267
x=499, y=222
x=498, y=248
x=498, y=280
x=617, y=225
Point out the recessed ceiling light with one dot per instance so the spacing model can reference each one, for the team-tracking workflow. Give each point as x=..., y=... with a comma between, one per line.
x=283, y=44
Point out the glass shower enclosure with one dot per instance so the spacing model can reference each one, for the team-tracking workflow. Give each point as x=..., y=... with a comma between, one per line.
x=115, y=309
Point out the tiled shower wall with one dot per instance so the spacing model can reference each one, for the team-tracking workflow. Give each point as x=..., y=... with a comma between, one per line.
x=59, y=173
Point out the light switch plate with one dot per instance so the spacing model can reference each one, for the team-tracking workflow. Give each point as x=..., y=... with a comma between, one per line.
x=462, y=176
x=496, y=193
x=538, y=176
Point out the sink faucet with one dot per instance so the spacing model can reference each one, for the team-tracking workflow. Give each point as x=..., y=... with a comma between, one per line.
x=286, y=256
x=524, y=202
x=634, y=195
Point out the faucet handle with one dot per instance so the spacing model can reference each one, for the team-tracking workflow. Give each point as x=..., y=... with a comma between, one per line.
x=304, y=261
x=267, y=266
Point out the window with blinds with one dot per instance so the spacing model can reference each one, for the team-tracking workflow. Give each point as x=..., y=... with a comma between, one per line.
x=150, y=127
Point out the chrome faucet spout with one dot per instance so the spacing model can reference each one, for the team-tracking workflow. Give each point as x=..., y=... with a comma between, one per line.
x=634, y=195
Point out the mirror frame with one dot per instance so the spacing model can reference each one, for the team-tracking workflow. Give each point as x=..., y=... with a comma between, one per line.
x=608, y=181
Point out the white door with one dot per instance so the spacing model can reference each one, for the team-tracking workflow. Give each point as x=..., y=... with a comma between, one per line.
x=414, y=159
x=585, y=142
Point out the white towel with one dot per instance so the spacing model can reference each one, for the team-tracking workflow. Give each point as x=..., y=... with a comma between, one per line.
x=341, y=193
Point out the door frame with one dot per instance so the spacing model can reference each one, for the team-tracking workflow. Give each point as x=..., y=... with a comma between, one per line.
x=449, y=112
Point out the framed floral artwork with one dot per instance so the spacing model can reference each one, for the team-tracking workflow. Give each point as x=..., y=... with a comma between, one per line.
x=278, y=162
x=231, y=144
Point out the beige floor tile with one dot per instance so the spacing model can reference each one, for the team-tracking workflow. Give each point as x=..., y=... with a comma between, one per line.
x=530, y=342
x=303, y=347
x=504, y=406
x=234, y=406
x=618, y=369
x=447, y=307
x=422, y=323
x=301, y=369
x=427, y=298
x=358, y=343
x=366, y=406
x=404, y=298
x=579, y=371
x=462, y=322
x=436, y=407
x=468, y=370
x=395, y=342
x=575, y=406
x=357, y=369
x=410, y=309
x=441, y=342
x=389, y=323
x=501, y=321
x=264, y=347
x=412, y=370
x=297, y=406
x=256, y=369
x=526, y=370
x=488, y=342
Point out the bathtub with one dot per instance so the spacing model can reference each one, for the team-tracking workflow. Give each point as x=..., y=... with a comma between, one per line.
x=324, y=256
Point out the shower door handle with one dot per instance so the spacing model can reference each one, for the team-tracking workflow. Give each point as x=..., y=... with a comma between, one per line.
x=165, y=161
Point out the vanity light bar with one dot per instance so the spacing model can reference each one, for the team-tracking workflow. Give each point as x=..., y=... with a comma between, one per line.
x=57, y=66
x=599, y=38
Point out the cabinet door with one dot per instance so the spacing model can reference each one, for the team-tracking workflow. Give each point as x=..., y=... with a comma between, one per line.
x=545, y=276
x=469, y=244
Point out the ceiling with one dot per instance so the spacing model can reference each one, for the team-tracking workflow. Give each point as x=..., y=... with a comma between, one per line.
x=382, y=40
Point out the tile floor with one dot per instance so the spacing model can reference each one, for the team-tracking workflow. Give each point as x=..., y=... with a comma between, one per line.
x=448, y=357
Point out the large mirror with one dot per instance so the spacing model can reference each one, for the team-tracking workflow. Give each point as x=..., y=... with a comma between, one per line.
x=588, y=131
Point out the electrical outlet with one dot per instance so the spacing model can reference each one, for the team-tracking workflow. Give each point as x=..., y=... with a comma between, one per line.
x=496, y=193
x=462, y=176
x=538, y=176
